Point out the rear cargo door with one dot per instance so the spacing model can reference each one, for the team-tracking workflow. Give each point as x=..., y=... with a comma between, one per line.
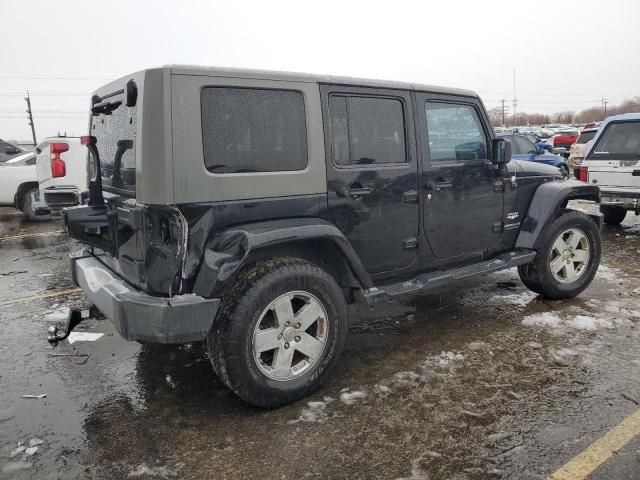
x=614, y=160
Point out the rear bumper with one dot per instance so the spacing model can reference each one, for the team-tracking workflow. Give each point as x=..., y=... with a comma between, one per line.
x=137, y=315
x=57, y=198
x=630, y=200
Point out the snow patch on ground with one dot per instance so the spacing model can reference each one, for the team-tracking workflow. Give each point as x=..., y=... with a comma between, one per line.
x=519, y=299
x=544, y=319
x=315, y=411
x=558, y=324
x=608, y=273
x=159, y=471
x=444, y=359
x=585, y=322
x=350, y=397
x=479, y=346
x=401, y=380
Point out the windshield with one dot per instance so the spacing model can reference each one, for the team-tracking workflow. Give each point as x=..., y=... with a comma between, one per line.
x=620, y=141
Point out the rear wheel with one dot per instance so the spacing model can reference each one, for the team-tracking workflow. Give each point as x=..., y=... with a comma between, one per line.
x=280, y=329
x=567, y=259
x=28, y=208
x=565, y=170
x=613, y=216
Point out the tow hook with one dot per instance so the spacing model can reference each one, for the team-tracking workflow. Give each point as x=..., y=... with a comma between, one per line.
x=73, y=320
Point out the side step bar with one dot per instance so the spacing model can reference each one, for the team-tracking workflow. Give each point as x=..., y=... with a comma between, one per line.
x=440, y=278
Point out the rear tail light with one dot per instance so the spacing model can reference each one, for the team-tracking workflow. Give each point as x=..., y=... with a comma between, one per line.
x=58, y=167
x=583, y=174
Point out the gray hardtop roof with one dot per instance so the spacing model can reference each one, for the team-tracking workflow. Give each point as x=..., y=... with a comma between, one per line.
x=309, y=78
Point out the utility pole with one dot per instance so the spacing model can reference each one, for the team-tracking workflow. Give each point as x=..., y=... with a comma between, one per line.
x=515, y=99
x=30, y=116
x=502, y=112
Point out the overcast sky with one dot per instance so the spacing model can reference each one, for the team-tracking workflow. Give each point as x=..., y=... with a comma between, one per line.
x=566, y=54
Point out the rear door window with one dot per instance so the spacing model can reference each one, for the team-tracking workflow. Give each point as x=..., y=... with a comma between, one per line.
x=367, y=130
x=619, y=141
x=247, y=130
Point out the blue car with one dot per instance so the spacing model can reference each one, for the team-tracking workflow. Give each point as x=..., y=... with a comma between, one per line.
x=524, y=149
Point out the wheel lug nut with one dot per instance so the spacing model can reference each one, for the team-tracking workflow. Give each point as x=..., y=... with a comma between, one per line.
x=297, y=339
x=297, y=325
x=280, y=337
x=286, y=345
x=286, y=324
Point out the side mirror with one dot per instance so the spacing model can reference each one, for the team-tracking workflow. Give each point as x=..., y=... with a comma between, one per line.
x=501, y=152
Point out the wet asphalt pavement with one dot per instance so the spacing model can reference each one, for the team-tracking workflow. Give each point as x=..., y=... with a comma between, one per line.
x=483, y=381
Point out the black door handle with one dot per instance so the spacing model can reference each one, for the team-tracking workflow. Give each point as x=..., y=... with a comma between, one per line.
x=358, y=192
x=441, y=183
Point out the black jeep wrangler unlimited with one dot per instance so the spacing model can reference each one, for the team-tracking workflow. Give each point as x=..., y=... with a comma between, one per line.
x=248, y=208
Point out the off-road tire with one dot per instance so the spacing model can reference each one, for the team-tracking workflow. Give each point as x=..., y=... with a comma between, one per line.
x=613, y=216
x=537, y=275
x=230, y=340
x=27, y=207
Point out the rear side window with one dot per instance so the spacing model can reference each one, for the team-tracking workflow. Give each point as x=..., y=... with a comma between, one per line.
x=620, y=141
x=586, y=137
x=455, y=132
x=367, y=130
x=253, y=130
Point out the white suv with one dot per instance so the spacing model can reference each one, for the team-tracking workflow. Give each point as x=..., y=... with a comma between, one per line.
x=579, y=149
x=613, y=164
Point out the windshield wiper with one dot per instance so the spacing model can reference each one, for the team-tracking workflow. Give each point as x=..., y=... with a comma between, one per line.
x=105, y=107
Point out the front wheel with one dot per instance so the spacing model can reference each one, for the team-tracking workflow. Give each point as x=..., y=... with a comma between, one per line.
x=568, y=257
x=613, y=216
x=279, y=331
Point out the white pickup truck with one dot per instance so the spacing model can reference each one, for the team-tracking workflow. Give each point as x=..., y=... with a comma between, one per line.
x=62, y=171
x=613, y=164
x=19, y=183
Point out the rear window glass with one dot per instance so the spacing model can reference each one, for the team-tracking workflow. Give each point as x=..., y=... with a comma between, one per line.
x=586, y=137
x=620, y=141
x=248, y=130
x=116, y=143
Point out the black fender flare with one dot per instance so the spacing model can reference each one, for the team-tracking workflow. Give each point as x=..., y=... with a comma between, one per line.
x=230, y=250
x=548, y=199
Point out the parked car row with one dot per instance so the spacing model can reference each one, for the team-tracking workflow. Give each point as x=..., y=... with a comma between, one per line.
x=42, y=182
x=523, y=148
